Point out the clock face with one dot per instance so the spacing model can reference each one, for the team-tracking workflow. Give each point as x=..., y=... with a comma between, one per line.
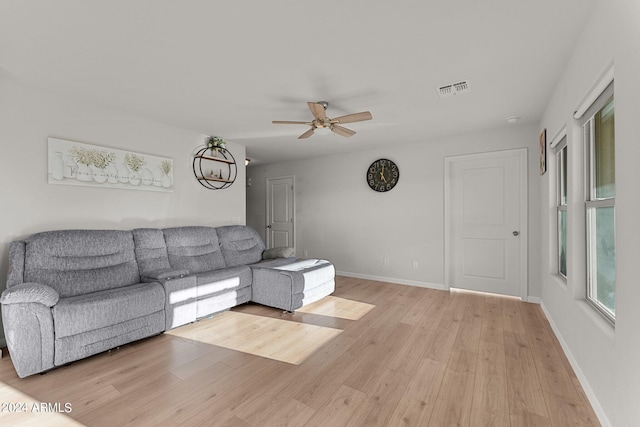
x=383, y=175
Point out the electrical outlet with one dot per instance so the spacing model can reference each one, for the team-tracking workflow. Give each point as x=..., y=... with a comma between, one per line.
x=415, y=264
x=386, y=262
x=305, y=253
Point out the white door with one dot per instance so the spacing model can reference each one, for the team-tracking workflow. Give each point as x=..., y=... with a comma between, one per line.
x=280, y=224
x=486, y=203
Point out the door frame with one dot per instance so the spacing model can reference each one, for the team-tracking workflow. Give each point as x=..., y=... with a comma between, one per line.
x=524, y=213
x=293, y=202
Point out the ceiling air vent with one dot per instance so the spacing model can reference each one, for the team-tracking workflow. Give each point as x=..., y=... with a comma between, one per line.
x=454, y=89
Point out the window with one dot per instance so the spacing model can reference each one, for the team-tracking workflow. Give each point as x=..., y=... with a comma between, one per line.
x=599, y=136
x=561, y=206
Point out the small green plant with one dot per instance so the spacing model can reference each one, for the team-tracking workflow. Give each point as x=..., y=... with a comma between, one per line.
x=165, y=167
x=214, y=142
x=134, y=161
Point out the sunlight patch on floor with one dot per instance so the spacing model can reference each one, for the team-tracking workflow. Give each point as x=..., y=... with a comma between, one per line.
x=19, y=409
x=286, y=341
x=338, y=307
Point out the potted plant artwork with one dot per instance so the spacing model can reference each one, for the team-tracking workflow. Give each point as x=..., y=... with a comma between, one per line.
x=83, y=158
x=100, y=161
x=165, y=167
x=134, y=162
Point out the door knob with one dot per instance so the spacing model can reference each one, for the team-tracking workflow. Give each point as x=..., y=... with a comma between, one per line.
x=516, y=233
x=269, y=226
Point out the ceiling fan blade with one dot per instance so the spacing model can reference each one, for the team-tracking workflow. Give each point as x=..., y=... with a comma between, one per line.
x=289, y=122
x=356, y=117
x=317, y=110
x=342, y=131
x=307, y=134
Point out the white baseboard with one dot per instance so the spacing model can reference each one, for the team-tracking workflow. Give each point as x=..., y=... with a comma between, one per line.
x=438, y=286
x=392, y=280
x=595, y=403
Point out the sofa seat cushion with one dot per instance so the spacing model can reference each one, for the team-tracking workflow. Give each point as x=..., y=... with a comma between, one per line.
x=83, y=313
x=223, y=280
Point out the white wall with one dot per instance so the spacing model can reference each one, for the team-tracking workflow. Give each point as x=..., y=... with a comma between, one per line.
x=340, y=218
x=29, y=204
x=606, y=358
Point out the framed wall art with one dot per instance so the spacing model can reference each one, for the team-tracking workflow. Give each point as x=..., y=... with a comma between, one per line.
x=75, y=163
x=543, y=152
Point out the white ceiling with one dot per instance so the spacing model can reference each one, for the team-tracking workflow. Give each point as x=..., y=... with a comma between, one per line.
x=228, y=68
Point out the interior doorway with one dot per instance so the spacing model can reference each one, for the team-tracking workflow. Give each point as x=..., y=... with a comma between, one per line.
x=486, y=222
x=280, y=216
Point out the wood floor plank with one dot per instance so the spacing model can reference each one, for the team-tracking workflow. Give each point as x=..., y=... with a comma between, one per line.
x=381, y=400
x=525, y=391
x=490, y=401
x=492, y=330
x=415, y=356
x=287, y=412
x=455, y=397
x=339, y=409
x=524, y=418
x=418, y=401
x=566, y=412
x=551, y=373
x=511, y=316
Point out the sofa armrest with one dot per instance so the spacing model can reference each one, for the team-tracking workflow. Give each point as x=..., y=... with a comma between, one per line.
x=28, y=329
x=279, y=252
x=30, y=293
x=162, y=275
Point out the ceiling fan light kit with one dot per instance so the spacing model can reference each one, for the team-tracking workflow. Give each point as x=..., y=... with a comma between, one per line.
x=323, y=125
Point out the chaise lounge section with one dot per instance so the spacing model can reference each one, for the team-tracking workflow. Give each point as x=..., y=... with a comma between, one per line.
x=74, y=293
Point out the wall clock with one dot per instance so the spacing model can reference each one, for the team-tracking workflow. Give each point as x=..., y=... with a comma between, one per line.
x=383, y=175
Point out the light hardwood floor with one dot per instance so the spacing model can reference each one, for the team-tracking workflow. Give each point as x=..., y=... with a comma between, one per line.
x=416, y=357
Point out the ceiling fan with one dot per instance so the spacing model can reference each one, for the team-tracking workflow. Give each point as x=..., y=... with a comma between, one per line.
x=323, y=125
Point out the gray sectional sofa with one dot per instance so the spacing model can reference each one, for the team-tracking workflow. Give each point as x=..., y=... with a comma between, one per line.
x=74, y=293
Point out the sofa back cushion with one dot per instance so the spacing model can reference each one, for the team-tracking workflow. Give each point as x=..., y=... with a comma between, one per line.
x=194, y=248
x=241, y=245
x=76, y=262
x=151, y=250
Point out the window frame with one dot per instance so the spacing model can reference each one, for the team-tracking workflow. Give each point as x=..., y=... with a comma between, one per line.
x=562, y=198
x=593, y=202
